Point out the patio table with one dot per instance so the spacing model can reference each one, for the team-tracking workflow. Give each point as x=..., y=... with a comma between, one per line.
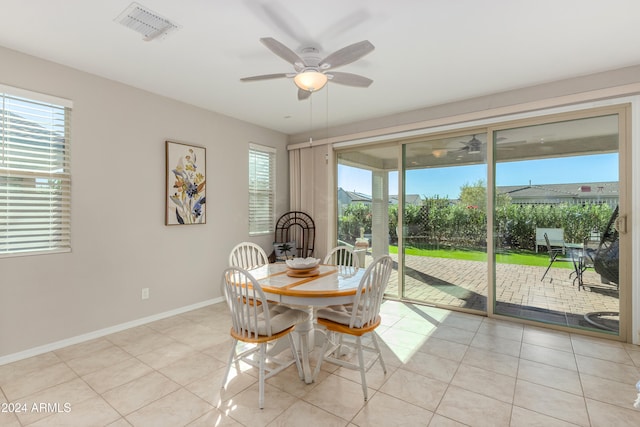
x=576, y=250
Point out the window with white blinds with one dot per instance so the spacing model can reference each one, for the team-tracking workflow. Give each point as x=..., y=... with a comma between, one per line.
x=262, y=189
x=35, y=180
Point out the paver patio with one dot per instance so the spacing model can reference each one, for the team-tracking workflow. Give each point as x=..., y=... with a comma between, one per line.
x=519, y=290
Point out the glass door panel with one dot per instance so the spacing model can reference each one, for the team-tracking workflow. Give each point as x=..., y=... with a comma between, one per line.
x=367, y=194
x=444, y=231
x=556, y=199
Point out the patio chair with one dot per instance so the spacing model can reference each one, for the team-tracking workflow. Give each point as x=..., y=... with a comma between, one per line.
x=555, y=256
x=257, y=323
x=247, y=255
x=356, y=320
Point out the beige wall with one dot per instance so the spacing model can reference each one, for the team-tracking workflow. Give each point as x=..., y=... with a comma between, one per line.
x=120, y=242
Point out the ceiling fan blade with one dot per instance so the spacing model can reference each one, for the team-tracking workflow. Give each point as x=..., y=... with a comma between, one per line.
x=349, y=79
x=303, y=94
x=347, y=55
x=265, y=77
x=284, y=21
x=345, y=24
x=282, y=51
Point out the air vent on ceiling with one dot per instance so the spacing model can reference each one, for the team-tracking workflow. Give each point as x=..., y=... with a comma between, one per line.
x=146, y=22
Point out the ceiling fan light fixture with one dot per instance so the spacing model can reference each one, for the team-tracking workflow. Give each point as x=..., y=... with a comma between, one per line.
x=439, y=153
x=310, y=80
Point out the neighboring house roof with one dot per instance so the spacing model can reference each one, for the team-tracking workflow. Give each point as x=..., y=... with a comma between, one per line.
x=410, y=199
x=41, y=137
x=354, y=196
x=588, y=190
x=576, y=191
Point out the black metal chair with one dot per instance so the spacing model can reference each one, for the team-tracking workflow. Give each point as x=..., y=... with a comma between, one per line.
x=554, y=256
x=298, y=227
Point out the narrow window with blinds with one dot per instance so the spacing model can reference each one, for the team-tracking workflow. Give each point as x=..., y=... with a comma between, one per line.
x=35, y=180
x=262, y=189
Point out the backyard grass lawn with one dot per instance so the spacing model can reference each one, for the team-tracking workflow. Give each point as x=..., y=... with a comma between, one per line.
x=504, y=257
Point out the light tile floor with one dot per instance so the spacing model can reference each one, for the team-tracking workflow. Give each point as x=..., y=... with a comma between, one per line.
x=444, y=369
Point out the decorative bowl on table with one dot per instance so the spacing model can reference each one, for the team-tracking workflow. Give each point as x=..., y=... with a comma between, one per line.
x=303, y=267
x=302, y=263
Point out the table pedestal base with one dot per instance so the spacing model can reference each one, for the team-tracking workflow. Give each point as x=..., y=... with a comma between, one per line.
x=306, y=341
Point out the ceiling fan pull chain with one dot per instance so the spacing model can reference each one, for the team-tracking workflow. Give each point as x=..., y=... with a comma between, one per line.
x=311, y=119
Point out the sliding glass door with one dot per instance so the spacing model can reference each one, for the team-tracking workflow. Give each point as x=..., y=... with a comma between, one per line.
x=366, y=201
x=444, y=225
x=557, y=201
x=521, y=219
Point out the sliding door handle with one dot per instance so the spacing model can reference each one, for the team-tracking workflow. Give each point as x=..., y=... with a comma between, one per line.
x=621, y=224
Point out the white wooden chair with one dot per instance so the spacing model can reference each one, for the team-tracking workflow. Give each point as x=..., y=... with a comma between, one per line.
x=344, y=258
x=256, y=322
x=247, y=255
x=356, y=320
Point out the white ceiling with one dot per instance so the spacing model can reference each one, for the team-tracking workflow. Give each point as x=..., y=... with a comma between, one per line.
x=428, y=52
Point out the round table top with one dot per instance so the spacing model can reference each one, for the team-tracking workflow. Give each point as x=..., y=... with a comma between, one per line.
x=329, y=283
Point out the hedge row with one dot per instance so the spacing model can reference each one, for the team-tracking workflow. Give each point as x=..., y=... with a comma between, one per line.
x=438, y=222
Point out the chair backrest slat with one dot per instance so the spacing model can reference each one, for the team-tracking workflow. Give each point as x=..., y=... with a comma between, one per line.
x=344, y=258
x=370, y=292
x=246, y=301
x=247, y=255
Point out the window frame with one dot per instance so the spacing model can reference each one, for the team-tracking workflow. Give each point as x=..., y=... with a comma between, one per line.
x=264, y=223
x=35, y=179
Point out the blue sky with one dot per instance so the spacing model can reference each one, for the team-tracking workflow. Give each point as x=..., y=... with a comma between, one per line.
x=446, y=182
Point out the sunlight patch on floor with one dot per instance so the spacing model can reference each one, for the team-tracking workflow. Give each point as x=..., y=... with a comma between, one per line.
x=412, y=328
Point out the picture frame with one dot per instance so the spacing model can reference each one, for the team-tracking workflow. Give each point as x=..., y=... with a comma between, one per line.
x=185, y=187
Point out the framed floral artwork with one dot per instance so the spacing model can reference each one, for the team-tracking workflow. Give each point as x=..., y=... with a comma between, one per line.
x=185, y=185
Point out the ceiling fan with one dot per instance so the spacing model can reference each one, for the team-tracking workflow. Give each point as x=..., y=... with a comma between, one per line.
x=311, y=72
x=473, y=146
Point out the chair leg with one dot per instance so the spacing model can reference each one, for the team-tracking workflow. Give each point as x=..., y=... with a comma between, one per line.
x=375, y=343
x=338, y=351
x=294, y=352
x=546, y=271
x=362, y=366
x=232, y=356
x=263, y=356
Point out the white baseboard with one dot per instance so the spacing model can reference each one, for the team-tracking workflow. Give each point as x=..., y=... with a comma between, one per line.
x=102, y=332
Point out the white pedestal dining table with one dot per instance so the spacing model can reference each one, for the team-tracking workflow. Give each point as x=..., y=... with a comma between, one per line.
x=328, y=287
